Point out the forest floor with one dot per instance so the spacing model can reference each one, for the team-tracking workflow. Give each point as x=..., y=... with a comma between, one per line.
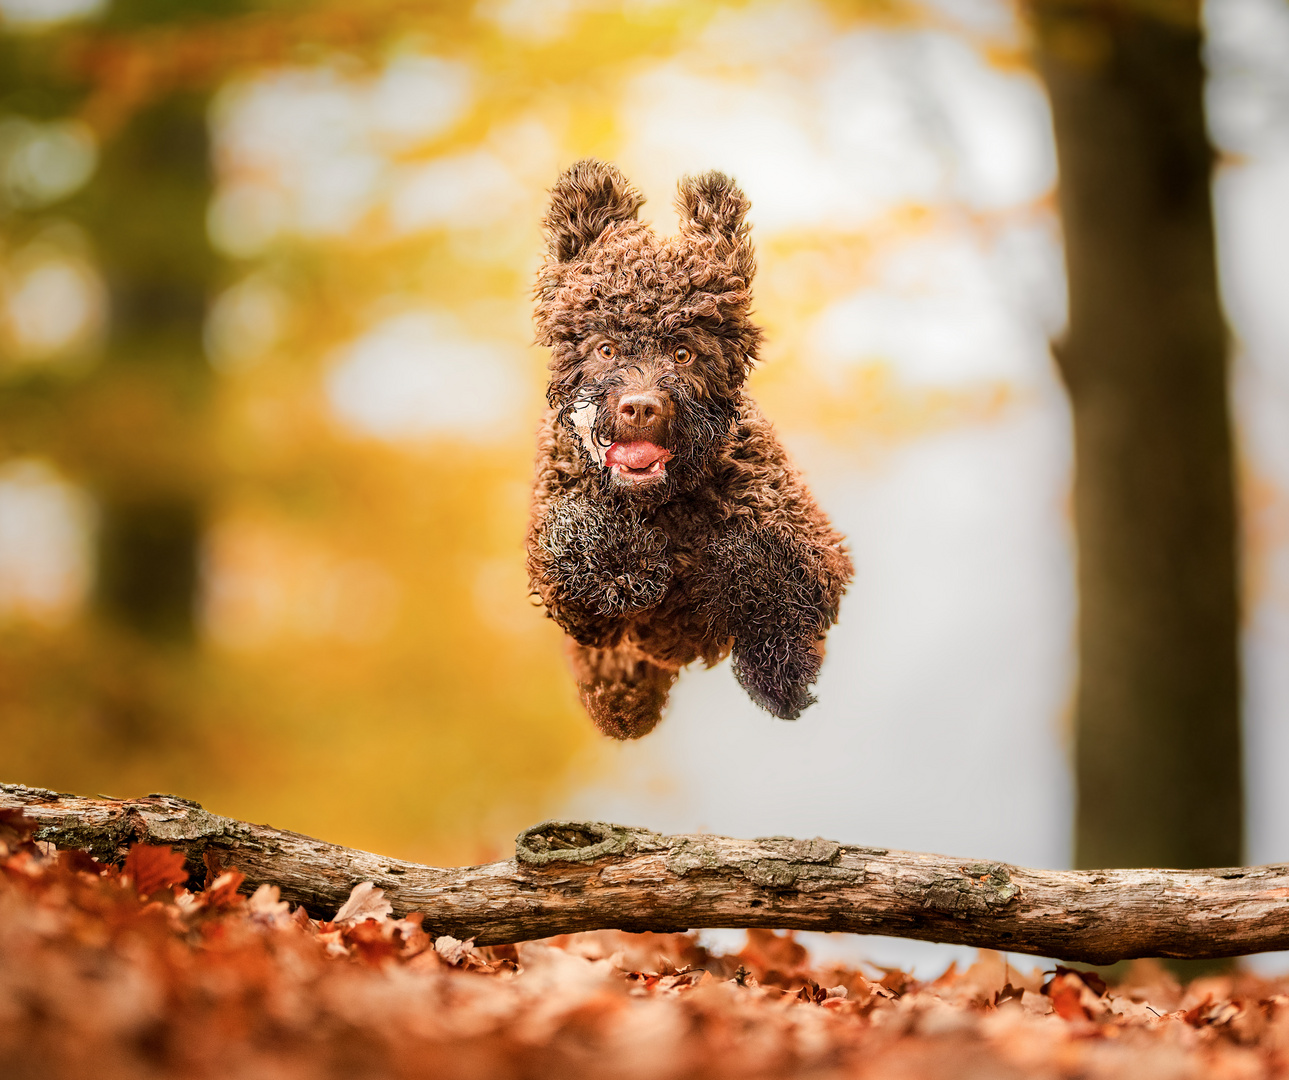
x=125, y=973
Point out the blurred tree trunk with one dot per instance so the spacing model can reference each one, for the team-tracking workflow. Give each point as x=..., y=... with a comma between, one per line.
x=133, y=429
x=146, y=210
x=1157, y=737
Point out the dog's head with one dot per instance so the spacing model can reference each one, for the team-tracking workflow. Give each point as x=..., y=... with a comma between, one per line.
x=651, y=337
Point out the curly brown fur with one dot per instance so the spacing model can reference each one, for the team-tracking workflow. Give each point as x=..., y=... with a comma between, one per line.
x=668, y=524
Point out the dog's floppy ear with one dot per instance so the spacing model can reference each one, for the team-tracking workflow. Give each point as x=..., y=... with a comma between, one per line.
x=712, y=206
x=589, y=197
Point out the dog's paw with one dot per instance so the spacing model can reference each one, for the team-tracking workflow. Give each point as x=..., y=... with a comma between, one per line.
x=604, y=561
x=777, y=674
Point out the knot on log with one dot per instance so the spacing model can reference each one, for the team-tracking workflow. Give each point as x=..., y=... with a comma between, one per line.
x=780, y=862
x=172, y=818
x=108, y=831
x=572, y=842
x=980, y=888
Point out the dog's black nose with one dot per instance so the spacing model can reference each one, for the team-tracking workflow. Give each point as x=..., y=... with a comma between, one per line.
x=642, y=406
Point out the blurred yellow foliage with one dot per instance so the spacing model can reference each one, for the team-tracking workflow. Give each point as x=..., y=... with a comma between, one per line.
x=370, y=667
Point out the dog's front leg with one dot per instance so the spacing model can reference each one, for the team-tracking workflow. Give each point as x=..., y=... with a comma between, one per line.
x=775, y=595
x=593, y=562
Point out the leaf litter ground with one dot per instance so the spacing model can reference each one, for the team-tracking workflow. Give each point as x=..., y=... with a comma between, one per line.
x=125, y=973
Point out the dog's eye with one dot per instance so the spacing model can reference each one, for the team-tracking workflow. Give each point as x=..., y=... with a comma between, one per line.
x=607, y=351
x=682, y=355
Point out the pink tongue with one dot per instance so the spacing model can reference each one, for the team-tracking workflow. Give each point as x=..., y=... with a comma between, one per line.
x=635, y=455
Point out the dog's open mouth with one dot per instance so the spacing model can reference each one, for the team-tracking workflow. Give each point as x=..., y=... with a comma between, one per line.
x=637, y=461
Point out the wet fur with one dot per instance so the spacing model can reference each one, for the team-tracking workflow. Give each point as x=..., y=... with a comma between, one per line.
x=730, y=552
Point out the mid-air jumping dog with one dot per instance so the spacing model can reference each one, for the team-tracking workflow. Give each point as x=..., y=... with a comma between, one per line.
x=668, y=524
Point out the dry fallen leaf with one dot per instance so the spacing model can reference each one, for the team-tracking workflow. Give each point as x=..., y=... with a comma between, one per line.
x=15, y=828
x=265, y=905
x=154, y=868
x=365, y=902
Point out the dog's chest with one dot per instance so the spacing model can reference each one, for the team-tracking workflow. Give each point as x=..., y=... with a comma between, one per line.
x=689, y=526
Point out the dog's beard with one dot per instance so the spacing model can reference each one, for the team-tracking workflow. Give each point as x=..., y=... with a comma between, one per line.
x=698, y=430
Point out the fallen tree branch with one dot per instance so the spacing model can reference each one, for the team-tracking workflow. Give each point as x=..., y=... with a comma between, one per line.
x=572, y=876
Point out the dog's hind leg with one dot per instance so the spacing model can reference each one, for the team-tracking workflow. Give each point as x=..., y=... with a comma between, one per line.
x=624, y=694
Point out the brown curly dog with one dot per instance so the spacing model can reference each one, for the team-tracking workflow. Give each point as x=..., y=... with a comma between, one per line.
x=668, y=525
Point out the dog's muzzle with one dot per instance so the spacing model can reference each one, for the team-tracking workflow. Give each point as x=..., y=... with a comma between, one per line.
x=631, y=461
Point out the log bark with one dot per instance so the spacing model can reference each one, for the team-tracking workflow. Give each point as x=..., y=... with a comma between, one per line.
x=573, y=876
